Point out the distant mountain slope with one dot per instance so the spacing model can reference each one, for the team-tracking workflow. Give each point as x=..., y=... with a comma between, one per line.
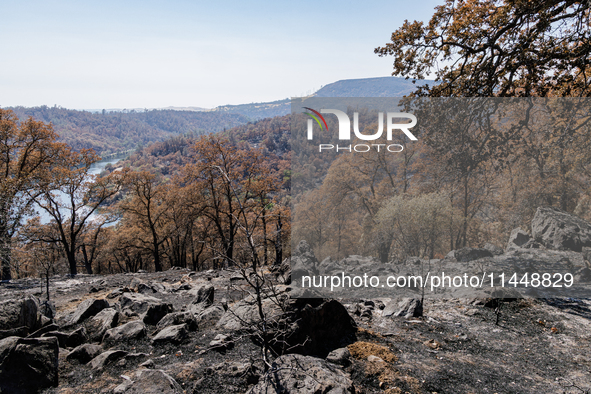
x=108, y=132
x=365, y=87
x=370, y=87
x=257, y=111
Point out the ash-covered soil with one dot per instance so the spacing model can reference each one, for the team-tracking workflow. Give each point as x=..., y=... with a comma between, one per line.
x=538, y=346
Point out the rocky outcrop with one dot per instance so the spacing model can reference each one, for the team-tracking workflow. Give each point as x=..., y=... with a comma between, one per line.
x=518, y=239
x=559, y=230
x=282, y=271
x=156, y=312
x=20, y=313
x=43, y=330
x=340, y=356
x=176, y=318
x=149, y=381
x=76, y=337
x=209, y=316
x=494, y=249
x=245, y=313
x=132, y=330
x=303, y=261
x=106, y=358
x=14, y=332
x=86, y=309
x=205, y=296
x=306, y=326
x=303, y=374
x=28, y=365
x=172, y=334
x=61, y=337
x=469, y=254
x=68, y=340
x=138, y=303
x=221, y=342
x=407, y=308
x=84, y=353
x=99, y=324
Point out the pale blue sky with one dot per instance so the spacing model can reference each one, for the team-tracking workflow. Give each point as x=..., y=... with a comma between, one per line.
x=147, y=54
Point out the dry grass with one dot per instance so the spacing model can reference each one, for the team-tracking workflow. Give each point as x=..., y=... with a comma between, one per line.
x=362, y=350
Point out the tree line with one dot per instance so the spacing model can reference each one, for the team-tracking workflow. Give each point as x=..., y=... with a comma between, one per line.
x=480, y=168
x=108, y=132
x=208, y=214
x=473, y=175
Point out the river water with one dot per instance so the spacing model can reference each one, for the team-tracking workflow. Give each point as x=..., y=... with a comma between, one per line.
x=95, y=169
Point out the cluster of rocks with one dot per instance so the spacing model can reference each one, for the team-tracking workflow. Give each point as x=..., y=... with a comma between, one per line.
x=557, y=243
x=157, y=315
x=118, y=334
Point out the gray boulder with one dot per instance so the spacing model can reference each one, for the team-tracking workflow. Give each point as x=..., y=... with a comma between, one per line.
x=176, y=318
x=171, y=334
x=84, y=353
x=583, y=275
x=138, y=303
x=560, y=230
x=22, y=331
x=6, y=346
x=28, y=365
x=303, y=261
x=135, y=282
x=88, y=308
x=47, y=309
x=245, y=313
x=518, y=239
x=587, y=255
x=132, y=330
x=205, y=295
x=340, y=356
x=156, y=312
x=117, y=292
x=303, y=374
x=494, y=249
x=106, y=358
x=103, y=321
x=209, y=316
x=62, y=337
x=469, y=254
x=282, y=271
x=20, y=313
x=77, y=337
x=306, y=326
x=146, y=289
x=43, y=330
x=149, y=381
x=221, y=342
x=407, y=308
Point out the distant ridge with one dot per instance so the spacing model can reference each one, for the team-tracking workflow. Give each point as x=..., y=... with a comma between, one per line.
x=364, y=87
x=370, y=87
x=361, y=87
x=256, y=111
x=128, y=110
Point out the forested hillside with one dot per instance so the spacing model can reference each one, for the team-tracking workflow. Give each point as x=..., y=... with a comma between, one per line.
x=256, y=111
x=169, y=156
x=109, y=132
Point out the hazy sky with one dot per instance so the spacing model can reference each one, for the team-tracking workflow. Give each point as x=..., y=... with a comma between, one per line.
x=146, y=54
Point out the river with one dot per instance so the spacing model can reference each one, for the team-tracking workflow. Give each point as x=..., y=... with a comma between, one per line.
x=95, y=169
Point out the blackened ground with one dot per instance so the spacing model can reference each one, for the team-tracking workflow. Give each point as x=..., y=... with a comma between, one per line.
x=539, y=346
